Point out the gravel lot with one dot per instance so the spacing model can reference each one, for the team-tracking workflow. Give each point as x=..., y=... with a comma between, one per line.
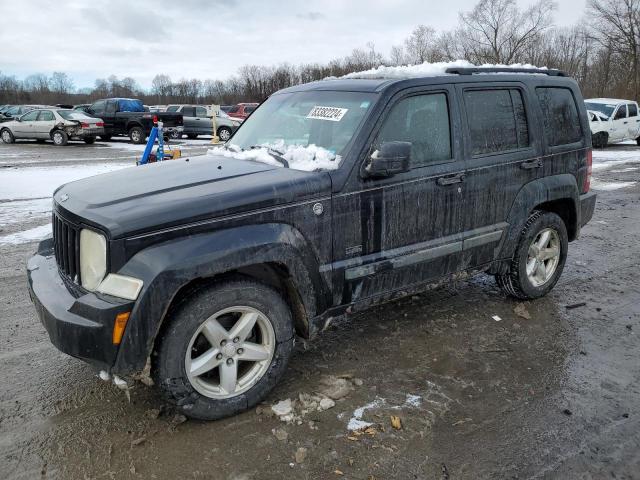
x=546, y=392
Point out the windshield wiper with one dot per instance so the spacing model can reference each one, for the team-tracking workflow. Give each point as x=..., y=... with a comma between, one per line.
x=279, y=156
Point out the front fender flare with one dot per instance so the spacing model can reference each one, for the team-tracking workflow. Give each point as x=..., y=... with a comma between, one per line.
x=167, y=267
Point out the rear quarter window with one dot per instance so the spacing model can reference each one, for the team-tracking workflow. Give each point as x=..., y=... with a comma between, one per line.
x=560, y=115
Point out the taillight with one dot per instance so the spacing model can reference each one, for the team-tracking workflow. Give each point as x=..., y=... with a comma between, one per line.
x=587, y=179
x=99, y=124
x=85, y=125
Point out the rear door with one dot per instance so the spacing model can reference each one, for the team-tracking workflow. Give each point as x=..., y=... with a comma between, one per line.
x=634, y=121
x=205, y=127
x=502, y=154
x=44, y=124
x=619, y=124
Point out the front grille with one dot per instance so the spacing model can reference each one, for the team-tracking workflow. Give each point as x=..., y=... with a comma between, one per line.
x=66, y=244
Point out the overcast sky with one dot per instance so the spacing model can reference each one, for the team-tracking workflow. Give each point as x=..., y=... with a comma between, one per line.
x=208, y=38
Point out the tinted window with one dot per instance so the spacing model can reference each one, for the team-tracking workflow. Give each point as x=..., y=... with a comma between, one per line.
x=633, y=110
x=497, y=120
x=173, y=108
x=30, y=117
x=621, y=112
x=46, y=116
x=234, y=109
x=422, y=120
x=111, y=107
x=188, y=111
x=201, y=112
x=98, y=107
x=248, y=110
x=561, y=121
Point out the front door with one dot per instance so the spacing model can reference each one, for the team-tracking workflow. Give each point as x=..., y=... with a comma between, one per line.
x=395, y=232
x=205, y=124
x=24, y=128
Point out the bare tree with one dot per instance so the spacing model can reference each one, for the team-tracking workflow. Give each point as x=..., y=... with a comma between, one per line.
x=617, y=23
x=497, y=31
x=420, y=46
x=161, y=87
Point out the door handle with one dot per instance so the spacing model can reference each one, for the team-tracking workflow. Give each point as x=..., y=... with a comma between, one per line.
x=451, y=179
x=537, y=163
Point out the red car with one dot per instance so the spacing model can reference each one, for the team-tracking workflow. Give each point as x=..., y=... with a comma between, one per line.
x=242, y=110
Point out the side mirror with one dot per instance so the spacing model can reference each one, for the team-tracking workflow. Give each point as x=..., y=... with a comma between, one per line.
x=389, y=159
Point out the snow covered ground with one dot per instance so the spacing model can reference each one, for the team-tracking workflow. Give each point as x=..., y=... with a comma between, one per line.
x=25, y=193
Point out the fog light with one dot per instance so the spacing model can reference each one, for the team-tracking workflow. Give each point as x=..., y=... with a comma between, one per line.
x=119, y=326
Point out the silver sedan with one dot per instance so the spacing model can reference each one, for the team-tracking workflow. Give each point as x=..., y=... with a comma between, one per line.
x=58, y=125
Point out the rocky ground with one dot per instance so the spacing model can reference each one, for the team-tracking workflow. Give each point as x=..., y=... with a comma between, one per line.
x=458, y=383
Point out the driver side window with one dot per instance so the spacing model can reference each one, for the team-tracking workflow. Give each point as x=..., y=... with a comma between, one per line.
x=31, y=116
x=422, y=120
x=621, y=112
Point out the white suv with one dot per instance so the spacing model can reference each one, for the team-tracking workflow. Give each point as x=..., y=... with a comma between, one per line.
x=613, y=121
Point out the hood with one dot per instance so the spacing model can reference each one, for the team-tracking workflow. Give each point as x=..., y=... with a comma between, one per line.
x=146, y=198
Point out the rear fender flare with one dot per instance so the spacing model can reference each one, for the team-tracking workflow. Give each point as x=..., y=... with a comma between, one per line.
x=532, y=195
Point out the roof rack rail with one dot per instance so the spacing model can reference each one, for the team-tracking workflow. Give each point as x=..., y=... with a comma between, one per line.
x=471, y=70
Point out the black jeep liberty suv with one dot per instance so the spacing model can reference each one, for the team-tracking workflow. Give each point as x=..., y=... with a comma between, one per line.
x=204, y=269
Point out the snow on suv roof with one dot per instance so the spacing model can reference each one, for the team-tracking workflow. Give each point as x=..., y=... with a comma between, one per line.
x=427, y=69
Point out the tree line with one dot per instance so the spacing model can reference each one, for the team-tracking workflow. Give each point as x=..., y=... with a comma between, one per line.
x=601, y=52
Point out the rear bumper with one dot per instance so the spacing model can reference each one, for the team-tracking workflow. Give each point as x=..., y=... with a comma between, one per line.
x=587, y=207
x=79, y=324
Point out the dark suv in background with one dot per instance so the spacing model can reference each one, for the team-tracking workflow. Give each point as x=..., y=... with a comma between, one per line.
x=334, y=195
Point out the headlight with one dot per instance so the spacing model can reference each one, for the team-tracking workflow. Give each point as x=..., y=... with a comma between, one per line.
x=93, y=258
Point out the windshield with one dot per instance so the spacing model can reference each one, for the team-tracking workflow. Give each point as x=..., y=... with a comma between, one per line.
x=605, y=108
x=310, y=130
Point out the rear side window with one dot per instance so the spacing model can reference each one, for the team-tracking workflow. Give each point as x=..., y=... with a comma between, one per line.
x=561, y=120
x=46, y=116
x=201, y=112
x=422, y=120
x=188, y=111
x=633, y=110
x=111, y=107
x=497, y=120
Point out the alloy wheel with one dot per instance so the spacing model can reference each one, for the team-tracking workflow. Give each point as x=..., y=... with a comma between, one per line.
x=543, y=257
x=230, y=352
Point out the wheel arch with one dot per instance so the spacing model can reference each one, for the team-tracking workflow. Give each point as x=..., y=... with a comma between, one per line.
x=171, y=276
x=557, y=194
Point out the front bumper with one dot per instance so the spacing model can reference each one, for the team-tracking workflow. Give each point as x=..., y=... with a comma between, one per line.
x=587, y=207
x=79, y=324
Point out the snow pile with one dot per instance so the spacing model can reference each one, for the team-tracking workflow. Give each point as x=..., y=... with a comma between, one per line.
x=26, y=236
x=427, y=69
x=307, y=158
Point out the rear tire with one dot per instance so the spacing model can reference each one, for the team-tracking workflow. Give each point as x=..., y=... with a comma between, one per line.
x=600, y=140
x=192, y=136
x=59, y=138
x=137, y=136
x=7, y=136
x=89, y=140
x=175, y=135
x=638, y=141
x=537, y=263
x=199, y=338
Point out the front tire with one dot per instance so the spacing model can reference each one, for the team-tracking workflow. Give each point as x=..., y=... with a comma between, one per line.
x=224, y=348
x=7, y=136
x=224, y=133
x=600, y=140
x=136, y=135
x=59, y=138
x=539, y=257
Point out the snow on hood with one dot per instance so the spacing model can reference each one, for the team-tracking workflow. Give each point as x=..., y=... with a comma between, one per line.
x=307, y=158
x=427, y=69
